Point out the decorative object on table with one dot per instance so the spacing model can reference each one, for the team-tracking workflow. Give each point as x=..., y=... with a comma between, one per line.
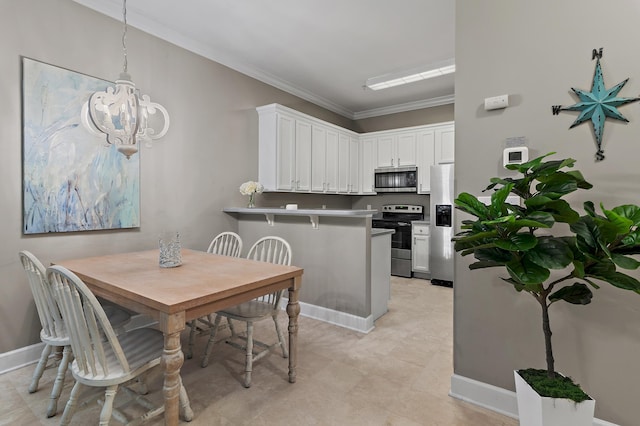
x=121, y=113
x=506, y=235
x=70, y=182
x=598, y=104
x=251, y=188
x=170, y=250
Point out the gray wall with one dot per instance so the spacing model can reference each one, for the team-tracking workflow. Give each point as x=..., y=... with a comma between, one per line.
x=535, y=52
x=186, y=178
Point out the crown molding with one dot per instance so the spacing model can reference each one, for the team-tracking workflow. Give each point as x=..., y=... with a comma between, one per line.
x=409, y=106
x=136, y=19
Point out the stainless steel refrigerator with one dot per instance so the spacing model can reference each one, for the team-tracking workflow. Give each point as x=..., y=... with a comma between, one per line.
x=441, y=226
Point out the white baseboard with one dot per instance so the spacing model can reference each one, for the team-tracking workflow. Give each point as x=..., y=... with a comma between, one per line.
x=492, y=397
x=20, y=357
x=342, y=319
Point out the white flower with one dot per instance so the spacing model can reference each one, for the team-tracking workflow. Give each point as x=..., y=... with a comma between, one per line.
x=251, y=187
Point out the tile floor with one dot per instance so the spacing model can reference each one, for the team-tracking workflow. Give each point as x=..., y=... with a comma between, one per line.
x=398, y=374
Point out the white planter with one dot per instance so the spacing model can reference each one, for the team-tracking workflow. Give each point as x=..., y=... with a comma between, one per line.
x=536, y=410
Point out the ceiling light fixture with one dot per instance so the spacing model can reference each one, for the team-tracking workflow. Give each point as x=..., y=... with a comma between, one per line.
x=412, y=75
x=122, y=114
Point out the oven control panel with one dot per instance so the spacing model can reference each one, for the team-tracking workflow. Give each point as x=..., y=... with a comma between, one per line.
x=402, y=208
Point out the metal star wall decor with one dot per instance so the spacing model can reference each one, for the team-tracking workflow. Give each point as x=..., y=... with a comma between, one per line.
x=598, y=104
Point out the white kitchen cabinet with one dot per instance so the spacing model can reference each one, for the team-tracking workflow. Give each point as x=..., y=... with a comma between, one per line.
x=333, y=153
x=301, y=153
x=324, y=159
x=425, y=157
x=284, y=151
x=303, y=156
x=420, y=249
x=368, y=153
x=343, y=163
x=354, y=165
x=397, y=149
x=445, y=144
x=319, y=156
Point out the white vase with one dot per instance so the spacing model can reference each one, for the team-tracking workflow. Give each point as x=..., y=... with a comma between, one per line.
x=536, y=410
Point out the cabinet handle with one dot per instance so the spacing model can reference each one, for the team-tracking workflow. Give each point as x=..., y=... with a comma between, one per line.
x=398, y=161
x=392, y=161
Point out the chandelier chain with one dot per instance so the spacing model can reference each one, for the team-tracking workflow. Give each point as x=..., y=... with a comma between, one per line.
x=124, y=34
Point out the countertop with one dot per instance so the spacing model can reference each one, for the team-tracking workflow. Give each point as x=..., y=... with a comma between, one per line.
x=381, y=231
x=299, y=212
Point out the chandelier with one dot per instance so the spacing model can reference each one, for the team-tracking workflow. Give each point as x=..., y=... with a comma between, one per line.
x=121, y=113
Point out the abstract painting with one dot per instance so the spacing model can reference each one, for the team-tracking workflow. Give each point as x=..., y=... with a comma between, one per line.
x=72, y=179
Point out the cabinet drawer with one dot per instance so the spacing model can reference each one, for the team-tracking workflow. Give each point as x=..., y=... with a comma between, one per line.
x=420, y=229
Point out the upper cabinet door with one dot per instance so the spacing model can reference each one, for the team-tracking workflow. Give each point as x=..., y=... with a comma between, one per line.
x=285, y=167
x=343, y=163
x=319, y=158
x=386, y=151
x=368, y=163
x=354, y=165
x=331, y=177
x=406, y=149
x=397, y=149
x=445, y=144
x=425, y=159
x=303, y=156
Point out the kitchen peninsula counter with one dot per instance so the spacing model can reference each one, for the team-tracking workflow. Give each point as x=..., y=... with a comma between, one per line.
x=347, y=263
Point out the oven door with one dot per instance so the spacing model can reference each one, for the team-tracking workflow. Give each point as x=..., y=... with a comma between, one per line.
x=401, y=239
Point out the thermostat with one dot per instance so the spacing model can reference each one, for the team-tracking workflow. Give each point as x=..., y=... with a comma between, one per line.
x=515, y=155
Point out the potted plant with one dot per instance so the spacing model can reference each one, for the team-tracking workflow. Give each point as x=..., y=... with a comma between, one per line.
x=566, y=267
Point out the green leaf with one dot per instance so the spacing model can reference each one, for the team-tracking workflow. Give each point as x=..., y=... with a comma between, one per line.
x=557, y=185
x=531, y=164
x=582, y=184
x=542, y=217
x=485, y=264
x=622, y=224
x=624, y=262
x=590, y=208
x=494, y=254
x=606, y=271
x=577, y=294
x=585, y=228
x=504, y=219
x=551, y=253
x=470, y=204
x=562, y=211
x=578, y=269
x=537, y=201
x=517, y=242
x=498, y=198
x=629, y=211
x=632, y=240
x=527, y=273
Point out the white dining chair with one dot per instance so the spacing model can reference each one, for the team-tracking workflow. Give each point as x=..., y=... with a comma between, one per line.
x=268, y=249
x=224, y=244
x=102, y=359
x=54, y=332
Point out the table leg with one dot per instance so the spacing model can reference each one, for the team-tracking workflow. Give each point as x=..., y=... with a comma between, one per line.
x=293, y=309
x=172, y=359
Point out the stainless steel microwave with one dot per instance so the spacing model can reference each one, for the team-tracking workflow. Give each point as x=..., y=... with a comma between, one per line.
x=396, y=179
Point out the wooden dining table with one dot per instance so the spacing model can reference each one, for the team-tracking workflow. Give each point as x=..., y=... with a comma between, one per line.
x=203, y=284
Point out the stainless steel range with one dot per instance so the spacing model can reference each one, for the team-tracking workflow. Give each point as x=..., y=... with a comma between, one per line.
x=398, y=217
